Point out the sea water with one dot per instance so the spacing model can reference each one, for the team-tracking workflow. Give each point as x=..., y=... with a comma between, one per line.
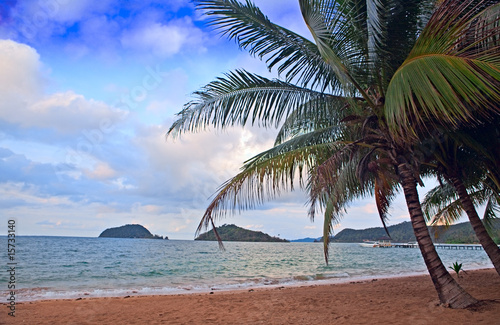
x=71, y=267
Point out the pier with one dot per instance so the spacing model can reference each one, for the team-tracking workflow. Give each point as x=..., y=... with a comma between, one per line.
x=444, y=246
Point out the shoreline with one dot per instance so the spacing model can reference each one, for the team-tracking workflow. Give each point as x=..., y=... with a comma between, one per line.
x=394, y=300
x=166, y=291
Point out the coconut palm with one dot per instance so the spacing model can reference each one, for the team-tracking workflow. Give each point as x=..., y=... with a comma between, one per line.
x=354, y=102
x=442, y=205
x=462, y=168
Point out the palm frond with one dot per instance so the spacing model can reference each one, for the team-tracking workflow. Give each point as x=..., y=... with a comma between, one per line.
x=448, y=215
x=332, y=197
x=377, y=31
x=394, y=26
x=263, y=177
x=292, y=54
x=319, y=137
x=439, y=89
x=333, y=185
x=303, y=121
x=331, y=216
x=385, y=189
x=330, y=28
x=240, y=98
x=439, y=201
x=452, y=75
x=441, y=205
x=334, y=180
x=376, y=16
x=491, y=212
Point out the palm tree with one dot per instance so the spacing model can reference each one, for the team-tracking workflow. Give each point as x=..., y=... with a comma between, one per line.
x=442, y=205
x=349, y=100
x=462, y=168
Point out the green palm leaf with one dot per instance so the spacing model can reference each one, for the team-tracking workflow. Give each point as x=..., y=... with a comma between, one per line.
x=452, y=75
x=333, y=185
x=441, y=205
x=330, y=28
x=491, y=212
x=242, y=98
x=328, y=114
x=264, y=177
x=292, y=54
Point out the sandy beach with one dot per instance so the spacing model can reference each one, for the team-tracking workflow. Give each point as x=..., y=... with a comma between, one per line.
x=408, y=300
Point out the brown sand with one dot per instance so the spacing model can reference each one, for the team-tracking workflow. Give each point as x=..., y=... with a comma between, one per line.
x=409, y=300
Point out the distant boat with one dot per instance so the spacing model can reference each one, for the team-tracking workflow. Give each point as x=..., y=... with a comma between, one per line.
x=381, y=242
x=369, y=243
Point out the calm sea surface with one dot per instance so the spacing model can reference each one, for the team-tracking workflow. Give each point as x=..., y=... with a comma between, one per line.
x=69, y=267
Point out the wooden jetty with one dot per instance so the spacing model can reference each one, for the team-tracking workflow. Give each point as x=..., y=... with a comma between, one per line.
x=445, y=246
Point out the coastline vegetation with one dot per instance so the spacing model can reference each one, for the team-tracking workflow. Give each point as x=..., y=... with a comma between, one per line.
x=235, y=233
x=461, y=233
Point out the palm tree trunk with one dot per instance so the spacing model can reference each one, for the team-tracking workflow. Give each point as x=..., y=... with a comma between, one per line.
x=449, y=291
x=484, y=238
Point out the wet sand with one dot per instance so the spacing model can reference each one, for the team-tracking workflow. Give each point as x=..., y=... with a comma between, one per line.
x=407, y=300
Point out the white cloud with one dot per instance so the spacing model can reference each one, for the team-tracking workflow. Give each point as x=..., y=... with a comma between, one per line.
x=102, y=171
x=28, y=194
x=254, y=226
x=68, y=113
x=140, y=209
x=398, y=218
x=21, y=78
x=24, y=103
x=338, y=226
x=67, y=11
x=369, y=208
x=38, y=20
x=121, y=183
x=199, y=159
x=164, y=40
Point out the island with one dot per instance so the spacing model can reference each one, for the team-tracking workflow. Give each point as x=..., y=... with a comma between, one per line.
x=235, y=233
x=129, y=231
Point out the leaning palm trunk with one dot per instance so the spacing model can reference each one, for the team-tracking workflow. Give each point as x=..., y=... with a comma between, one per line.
x=449, y=291
x=482, y=235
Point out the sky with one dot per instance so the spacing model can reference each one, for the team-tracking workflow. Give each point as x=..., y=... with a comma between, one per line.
x=89, y=90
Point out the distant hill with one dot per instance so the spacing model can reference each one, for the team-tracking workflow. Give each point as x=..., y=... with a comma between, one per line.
x=310, y=240
x=129, y=231
x=320, y=239
x=460, y=233
x=306, y=240
x=235, y=233
x=401, y=233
